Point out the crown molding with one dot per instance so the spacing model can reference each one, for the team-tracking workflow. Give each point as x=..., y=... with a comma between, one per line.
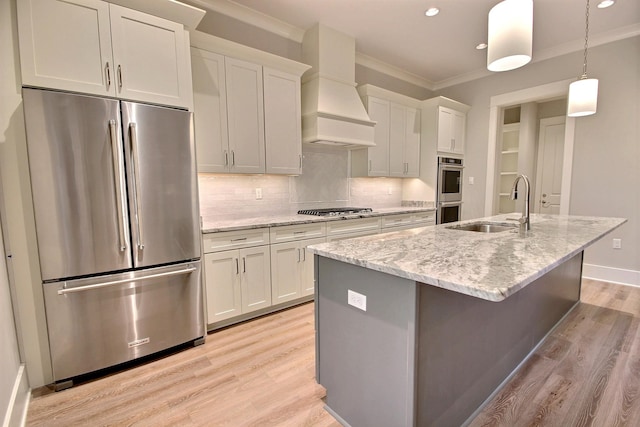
x=291, y=32
x=252, y=17
x=393, y=71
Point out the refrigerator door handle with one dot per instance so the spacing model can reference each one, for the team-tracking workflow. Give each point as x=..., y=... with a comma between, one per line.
x=116, y=151
x=120, y=282
x=136, y=182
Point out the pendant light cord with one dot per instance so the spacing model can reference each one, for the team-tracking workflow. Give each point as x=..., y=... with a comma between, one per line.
x=586, y=42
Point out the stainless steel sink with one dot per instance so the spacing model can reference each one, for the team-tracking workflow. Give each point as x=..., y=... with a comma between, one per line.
x=485, y=227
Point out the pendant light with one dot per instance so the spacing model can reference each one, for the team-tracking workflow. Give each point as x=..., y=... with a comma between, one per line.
x=583, y=93
x=510, y=35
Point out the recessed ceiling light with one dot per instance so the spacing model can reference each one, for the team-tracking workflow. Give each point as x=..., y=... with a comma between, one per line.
x=481, y=46
x=605, y=3
x=432, y=11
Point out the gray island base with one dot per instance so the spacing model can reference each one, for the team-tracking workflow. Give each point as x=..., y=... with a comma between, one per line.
x=420, y=354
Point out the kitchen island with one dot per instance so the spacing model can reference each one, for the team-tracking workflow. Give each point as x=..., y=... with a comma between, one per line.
x=420, y=327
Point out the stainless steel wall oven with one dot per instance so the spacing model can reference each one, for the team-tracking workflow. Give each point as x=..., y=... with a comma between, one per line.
x=449, y=198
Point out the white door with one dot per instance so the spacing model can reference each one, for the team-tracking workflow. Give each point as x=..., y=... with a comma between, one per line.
x=66, y=45
x=285, y=271
x=210, y=110
x=245, y=116
x=549, y=170
x=222, y=285
x=397, y=135
x=378, y=110
x=150, y=57
x=255, y=267
x=308, y=271
x=282, y=131
x=412, y=143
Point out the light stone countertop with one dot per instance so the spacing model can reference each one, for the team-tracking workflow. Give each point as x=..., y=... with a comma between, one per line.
x=491, y=266
x=247, y=223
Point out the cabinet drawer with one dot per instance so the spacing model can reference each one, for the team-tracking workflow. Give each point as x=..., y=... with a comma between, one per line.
x=225, y=240
x=288, y=233
x=352, y=226
x=351, y=235
x=396, y=220
x=424, y=218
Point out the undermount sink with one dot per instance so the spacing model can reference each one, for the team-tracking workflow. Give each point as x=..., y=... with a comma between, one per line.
x=485, y=227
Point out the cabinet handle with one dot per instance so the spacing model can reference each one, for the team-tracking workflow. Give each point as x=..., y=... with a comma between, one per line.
x=108, y=70
x=226, y=158
x=300, y=157
x=304, y=253
x=244, y=264
x=239, y=239
x=119, y=77
x=233, y=158
x=453, y=143
x=300, y=232
x=369, y=165
x=298, y=254
x=237, y=266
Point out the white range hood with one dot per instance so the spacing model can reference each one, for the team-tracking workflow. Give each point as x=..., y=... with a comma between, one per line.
x=332, y=112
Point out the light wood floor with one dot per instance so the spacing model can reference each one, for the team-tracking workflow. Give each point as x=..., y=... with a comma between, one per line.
x=261, y=373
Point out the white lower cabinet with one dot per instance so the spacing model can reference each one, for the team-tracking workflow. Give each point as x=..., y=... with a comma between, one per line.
x=237, y=282
x=252, y=272
x=292, y=270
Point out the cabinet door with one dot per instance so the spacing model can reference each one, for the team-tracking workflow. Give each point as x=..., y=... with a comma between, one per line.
x=412, y=143
x=245, y=115
x=255, y=268
x=282, y=121
x=66, y=45
x=445, y=123
x=210, y=111
x=397, y=135
x=307, y=278
x=150, y=57
x=222, y=284
x=458, y=131
x=378, y=110
x=285, y=271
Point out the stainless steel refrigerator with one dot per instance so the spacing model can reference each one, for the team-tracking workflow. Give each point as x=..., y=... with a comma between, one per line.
x=116, y=209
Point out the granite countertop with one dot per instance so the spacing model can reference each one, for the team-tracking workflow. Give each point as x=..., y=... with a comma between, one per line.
x=490, y=266
x=247, y=223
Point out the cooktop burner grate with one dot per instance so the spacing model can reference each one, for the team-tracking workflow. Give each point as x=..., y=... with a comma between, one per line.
x=334, y=211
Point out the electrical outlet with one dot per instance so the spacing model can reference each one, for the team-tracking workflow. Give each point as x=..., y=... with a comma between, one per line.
x=258, y=193
x=617, y=243
x=389, y=190
x=357, y=300
x=472, y=180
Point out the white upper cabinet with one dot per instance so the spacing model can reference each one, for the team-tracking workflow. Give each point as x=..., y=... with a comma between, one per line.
x=396, y=135
x=210, y=106
x=282, y=120
x=246, y=111
x=150, y=57
x=94, y=47
x=245, y=116
x=451, y=130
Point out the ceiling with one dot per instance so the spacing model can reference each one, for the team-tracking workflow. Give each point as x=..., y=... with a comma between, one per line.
x=396, y=36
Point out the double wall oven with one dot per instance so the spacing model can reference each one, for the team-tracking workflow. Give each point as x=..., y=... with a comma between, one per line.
x=449, y=201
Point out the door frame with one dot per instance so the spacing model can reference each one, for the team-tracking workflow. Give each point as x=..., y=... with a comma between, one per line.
x=548, y=121
x=533, y=94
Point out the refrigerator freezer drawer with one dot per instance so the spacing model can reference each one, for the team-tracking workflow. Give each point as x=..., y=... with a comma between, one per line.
x=100, y=322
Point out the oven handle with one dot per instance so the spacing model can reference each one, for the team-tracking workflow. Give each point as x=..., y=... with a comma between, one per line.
x=121, y=281
x=445, y=204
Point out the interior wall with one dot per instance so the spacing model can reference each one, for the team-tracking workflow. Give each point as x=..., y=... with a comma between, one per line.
x=19, y=218
x=606, y=164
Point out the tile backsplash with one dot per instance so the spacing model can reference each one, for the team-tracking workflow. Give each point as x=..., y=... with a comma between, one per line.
x=325, y=182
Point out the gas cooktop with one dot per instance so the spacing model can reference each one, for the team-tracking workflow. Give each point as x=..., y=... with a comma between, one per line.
x=334, y=211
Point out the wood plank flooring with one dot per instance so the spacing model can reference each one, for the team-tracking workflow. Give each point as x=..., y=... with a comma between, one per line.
x=261, y=373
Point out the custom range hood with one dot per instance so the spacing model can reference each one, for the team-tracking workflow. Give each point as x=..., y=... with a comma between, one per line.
x=332, y=112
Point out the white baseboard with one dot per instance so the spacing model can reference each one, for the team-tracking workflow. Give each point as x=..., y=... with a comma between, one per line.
x=610, y=274
x=17, y=410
